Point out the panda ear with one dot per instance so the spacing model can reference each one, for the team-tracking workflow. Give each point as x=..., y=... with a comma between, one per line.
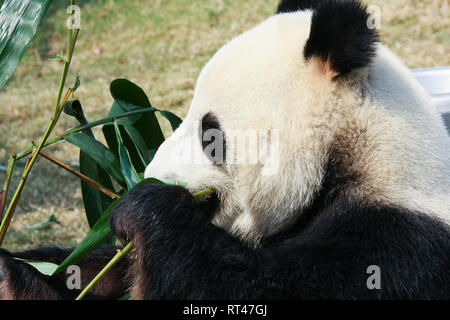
x=340, y=39
x=297, y=5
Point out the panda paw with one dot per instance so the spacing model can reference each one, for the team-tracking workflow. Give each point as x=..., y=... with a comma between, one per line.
x=146, y=208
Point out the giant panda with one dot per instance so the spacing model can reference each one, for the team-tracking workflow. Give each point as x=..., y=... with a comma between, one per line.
x=352, y=202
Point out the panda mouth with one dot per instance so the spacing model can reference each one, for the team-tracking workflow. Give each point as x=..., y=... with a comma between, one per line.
x=209, y=205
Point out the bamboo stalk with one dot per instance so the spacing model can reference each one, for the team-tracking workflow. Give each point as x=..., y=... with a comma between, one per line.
x=2, y=203
x=32, y=159
x=27, y=150
x=203, y=193
x=114, y=260
x=83, y=177
x=15, y=199
x=4, y=192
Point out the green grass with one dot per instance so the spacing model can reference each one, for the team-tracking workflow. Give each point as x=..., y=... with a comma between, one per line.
x=161, y=46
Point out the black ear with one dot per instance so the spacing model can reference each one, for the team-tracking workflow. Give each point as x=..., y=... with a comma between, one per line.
x=340, y=36
x=297, y=5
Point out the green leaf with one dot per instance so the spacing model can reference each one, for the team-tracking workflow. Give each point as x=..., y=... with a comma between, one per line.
x=46, y=268
x=73, y=108
x=174, y=182
x=99, y=234
x=59, y=57
x=117, y=110
x=173, y=119
x=77, y=83
x=126, y=296
x=95, y=201
x=132, y=138
x=135, y=137
x=18, y=23
x=128, y=171
x=99, y=153
x=43, y=224
x=130, y=97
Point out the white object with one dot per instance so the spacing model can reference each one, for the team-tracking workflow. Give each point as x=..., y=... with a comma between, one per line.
x=436, y=82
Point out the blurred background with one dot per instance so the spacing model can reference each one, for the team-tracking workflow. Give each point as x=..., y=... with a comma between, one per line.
x=161, y=45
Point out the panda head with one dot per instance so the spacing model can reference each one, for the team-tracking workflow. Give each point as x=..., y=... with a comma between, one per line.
x=307, y=91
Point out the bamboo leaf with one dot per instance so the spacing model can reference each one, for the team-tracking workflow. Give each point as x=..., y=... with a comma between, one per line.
x=128, y=171
x=172, y=118
x=59, y=57
x=126, y=296
x=46, y=268
x=77, y=83
x=73, y=108
x=132, y=138
x=43, y=224
x=131, y=97
x=139, y=144
x=18, y=23
x=95, y=201
x=99, y=153
x=128, y=95
x=174, y=182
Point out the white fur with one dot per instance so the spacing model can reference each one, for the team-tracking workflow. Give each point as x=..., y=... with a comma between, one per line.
x=260, y=80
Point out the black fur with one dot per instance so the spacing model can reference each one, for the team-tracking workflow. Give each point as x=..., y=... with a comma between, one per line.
x=286, y=6
x=339, y=33
x=20, y=281
x=210, y=121
x=181, y=255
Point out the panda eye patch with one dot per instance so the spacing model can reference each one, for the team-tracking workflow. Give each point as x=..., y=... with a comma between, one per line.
x=212, y=138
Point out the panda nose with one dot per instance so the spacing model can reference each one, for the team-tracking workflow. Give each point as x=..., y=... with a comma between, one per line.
x=166, y=164
x=154, y=172
x=158, y=167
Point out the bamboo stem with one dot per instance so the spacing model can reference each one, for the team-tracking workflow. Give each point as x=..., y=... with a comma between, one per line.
x=58, y=106
x=203, y=193
x=83, y=177
x=114, y=260
x=2, y=203
x=15, y=199
x=4, y=192
x=32, y=159
x=27, y=150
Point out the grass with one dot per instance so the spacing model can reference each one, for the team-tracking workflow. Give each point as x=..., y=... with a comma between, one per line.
x=161, y=46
